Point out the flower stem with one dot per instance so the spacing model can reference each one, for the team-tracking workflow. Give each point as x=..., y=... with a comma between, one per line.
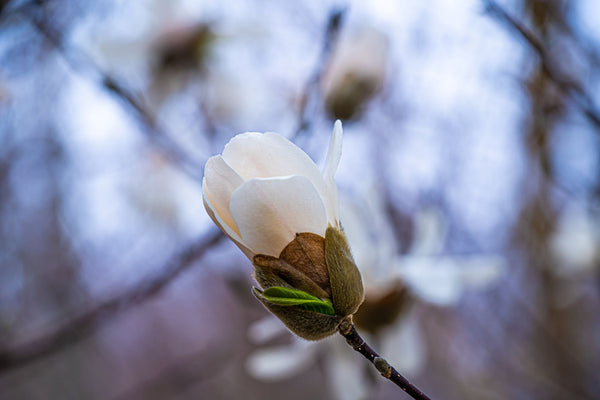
x=347, y=330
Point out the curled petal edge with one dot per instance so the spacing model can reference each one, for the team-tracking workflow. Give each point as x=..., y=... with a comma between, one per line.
x=225, y=228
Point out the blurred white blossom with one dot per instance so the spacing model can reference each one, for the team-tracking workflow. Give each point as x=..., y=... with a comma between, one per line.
x=576, y=241
x=163, y=194
x=356, y=72
x=430, y=276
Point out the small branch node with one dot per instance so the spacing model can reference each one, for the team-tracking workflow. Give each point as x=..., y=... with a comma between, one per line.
x=383, y=367
x=345, y=326
x=348, y=331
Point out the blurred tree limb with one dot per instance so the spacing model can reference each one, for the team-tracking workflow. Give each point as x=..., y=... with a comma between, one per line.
x=81, y=326
x=82, y=64
x=569, y=85
x=309, y=96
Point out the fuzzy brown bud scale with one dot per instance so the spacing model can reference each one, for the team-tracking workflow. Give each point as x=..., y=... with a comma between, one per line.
x=321, y=267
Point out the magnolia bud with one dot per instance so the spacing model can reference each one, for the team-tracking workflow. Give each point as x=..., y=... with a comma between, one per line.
x=321, y=267
x=355, y=73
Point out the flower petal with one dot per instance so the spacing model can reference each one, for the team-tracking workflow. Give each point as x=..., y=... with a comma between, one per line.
x=443, y=280
x=220, y=180
x=226, y=230
x=403, y=346
x=430, y=233
x=265, y=329
x=269, y=212
x=480, y=271
x=334, y=154
x=345, y=372
x=281, y=362
x=432, y=279
x=230, y=233
x=267, y=155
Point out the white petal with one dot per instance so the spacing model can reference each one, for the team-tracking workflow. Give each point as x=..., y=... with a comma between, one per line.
x=443, y=280
x=269, y=212
x=266, y=155
x=220, y=180
x=432, y=279
x=430, y=233
x=362, y=241
x=334, y=154
x=281, y=362
x=265, y=329
x=403, y=346
x=233, y=235
x=346, y=372
x=477, y=272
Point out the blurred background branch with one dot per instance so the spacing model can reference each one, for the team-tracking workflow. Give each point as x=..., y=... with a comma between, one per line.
x=551, y=64
x=84, y=324
x=309, y=99
x=82, y=64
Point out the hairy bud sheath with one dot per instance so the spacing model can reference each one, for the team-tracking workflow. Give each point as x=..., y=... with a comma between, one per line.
x=322, y=267
x=270, y=198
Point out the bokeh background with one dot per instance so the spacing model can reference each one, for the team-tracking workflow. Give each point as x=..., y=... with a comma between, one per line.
x=469, y=183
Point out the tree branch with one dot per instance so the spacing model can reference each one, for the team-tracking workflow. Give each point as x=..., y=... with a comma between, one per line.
x=83, y=65
x=84, y=324
x=567, y=84
x=347, y=330
x=334, y=25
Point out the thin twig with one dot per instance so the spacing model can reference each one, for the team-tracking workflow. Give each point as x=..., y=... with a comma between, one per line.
x=567, y=84
x=334, y=25
x=83, y=325
x=347, y=330
x=8, y=10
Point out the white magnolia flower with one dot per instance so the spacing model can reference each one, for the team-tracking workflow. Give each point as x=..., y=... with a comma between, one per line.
x=270, y=198
x=356, y=72
x=264, y=189
x=438, y=279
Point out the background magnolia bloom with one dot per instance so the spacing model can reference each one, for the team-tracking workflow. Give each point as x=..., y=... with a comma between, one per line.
x=393, y=283
x=264, y=189
x=355, y=73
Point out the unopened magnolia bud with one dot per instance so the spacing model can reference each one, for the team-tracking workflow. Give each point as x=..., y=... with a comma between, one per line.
x=356, y=73
x=312, y=286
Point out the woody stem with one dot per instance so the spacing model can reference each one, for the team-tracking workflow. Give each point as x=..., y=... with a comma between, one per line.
x=347, y=330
